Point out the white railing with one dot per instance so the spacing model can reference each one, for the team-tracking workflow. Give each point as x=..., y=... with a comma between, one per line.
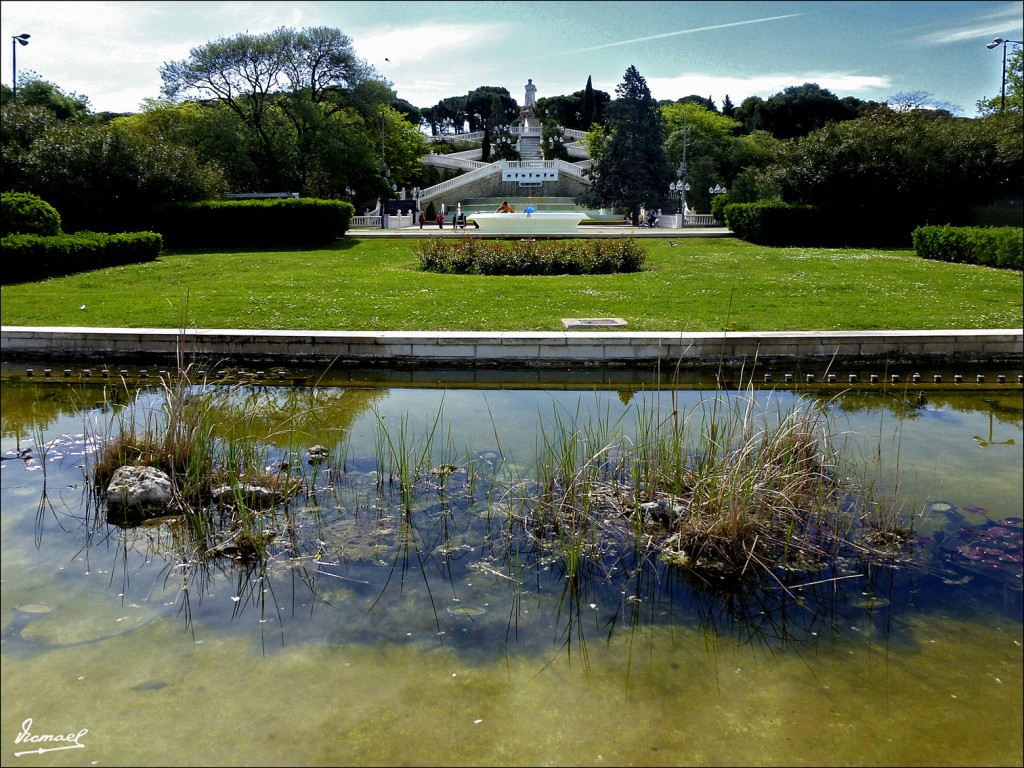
x=452, y=161
x=700, y=220
x=474, y=136
x=487, y=169
x=573, y=134
x=401, y=220
x=392, y=221
x=569, y=169
x=675, y=220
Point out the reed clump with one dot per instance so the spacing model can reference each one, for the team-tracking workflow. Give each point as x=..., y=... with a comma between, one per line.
x=729, y=492
x=224, y=485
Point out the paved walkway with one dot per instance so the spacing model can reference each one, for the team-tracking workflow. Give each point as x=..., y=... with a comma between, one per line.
x=588, y=230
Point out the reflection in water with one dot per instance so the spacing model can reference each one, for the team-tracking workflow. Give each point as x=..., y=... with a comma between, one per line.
x=423, y=618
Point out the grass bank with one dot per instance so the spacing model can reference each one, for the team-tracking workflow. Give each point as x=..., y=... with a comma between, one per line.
x=375, y=284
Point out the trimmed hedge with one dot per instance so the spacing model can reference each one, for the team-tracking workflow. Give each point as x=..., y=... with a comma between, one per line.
x=25, y=213
x=35, y=257
x=988, y=246
x=781, y=224
x=284, y=222
x=472, y=256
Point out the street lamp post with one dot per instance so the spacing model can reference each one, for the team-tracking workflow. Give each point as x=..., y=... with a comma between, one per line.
x=716, y=190
x=680, y=188
x=16, y=40
x=1002, y=90
x=387, y=176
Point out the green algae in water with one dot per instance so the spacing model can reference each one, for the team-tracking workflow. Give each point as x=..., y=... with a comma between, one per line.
x=466, y=610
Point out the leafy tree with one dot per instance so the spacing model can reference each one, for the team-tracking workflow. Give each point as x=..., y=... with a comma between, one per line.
x=284, y=86
x=34, y=91
x=20, y=126
x=448, y=116
x=489, y=104
x=551, y=142
x=709, y=137
x=901, y=163
x=405, y=145
x=742, y=169
x=922, y=102
x=105, y=178
x=564, y=110
x=796, y=111
x=1014, y=87
x=708, y=103
x=631, y=170
x=216, y=135
x=571, y=111
x=503, y=144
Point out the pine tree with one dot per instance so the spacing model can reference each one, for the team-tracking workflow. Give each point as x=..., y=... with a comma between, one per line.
x=632, y=171
x=589, y=106
x=728, y=108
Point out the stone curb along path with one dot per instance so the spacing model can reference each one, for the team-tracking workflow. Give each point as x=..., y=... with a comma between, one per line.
x=515, y=348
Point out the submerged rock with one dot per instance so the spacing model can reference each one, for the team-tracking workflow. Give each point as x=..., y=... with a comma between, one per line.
x=254, y=496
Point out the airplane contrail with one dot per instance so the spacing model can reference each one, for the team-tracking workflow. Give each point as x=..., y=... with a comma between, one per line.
x=670, y=34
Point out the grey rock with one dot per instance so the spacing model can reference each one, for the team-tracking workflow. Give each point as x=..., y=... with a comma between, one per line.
x=143, y=489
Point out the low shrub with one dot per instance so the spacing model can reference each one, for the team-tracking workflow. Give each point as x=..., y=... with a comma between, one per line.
x=988, y=246
x=28, y=214
x=781, y=224
x=35, y=257
x=282, y=222
x=472, y=256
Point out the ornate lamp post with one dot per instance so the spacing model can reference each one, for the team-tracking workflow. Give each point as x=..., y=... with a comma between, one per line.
x=23, y=39
x=716, y=190
x=387, y=176
x=681, y=188
x=995, y=44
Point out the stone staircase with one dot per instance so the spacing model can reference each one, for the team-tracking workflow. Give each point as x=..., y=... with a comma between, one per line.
x=529, y=148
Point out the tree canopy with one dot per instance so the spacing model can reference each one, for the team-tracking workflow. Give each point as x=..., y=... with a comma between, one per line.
x=1014, y=87
x=631, y=170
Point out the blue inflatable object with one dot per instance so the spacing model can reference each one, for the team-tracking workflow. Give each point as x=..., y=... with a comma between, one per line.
x=529, y=209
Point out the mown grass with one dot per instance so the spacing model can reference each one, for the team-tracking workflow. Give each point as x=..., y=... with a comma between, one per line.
x=699, y=284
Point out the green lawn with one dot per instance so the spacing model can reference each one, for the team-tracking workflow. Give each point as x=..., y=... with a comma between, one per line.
x=700, y=284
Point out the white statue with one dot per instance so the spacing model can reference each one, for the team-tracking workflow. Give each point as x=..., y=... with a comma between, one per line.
x=531, y=93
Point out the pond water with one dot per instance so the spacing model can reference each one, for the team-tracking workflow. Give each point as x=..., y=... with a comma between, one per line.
x=416, y=618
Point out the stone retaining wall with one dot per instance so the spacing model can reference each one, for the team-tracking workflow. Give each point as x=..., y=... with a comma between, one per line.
x=517, y=349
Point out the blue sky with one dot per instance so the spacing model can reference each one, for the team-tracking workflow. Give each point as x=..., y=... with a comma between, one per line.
x=112, y=51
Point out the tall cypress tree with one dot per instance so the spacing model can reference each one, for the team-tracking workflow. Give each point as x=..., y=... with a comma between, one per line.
x=632, y=171
x=589, y=106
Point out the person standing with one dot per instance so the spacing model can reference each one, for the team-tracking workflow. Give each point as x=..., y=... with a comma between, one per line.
x=423, y=219
x=440, y=221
